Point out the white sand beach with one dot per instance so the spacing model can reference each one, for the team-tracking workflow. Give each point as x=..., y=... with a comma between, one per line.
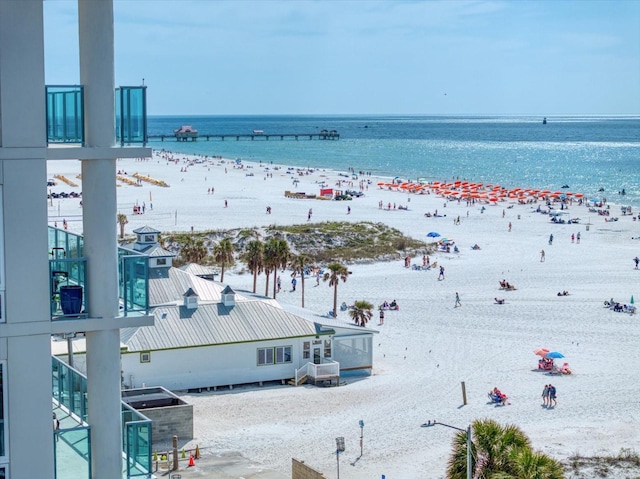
x=427, y=348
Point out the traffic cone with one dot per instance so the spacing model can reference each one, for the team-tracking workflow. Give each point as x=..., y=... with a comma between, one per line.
x=191, y=461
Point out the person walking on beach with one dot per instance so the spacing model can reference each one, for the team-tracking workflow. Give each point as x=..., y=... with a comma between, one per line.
x=572, y=237
x=551, y=238
x=578, y=238
x=294, y=281
x=348, y=210
x=636, y=260
x=279, y=284
x=552, y=396
x=225, y=203
x=542, y=256
x=545, y=396
x=509, y=226
x=458, y=303
x=441, y=275
x=381, y=317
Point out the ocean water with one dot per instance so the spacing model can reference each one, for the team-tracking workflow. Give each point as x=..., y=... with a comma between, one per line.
x=597, y=156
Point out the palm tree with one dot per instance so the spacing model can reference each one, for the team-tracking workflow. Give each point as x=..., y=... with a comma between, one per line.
x=361, y=312
x=254, y=257
x=194, y=251
x=500, y=452
x=299, y=264
x=529, y=464
x=270, y=253
x=337, y=272
x=122, y=220
x=223, y=254
x=276, y=255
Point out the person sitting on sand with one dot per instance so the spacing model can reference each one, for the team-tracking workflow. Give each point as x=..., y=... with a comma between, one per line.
x=499, y=301
x=498, y=396
x=393, y=305
x=563, y=293
x=385, y=305
x=475, y=246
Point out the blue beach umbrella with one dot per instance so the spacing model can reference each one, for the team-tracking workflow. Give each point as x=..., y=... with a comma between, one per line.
x=433, y=234
x=555, y=355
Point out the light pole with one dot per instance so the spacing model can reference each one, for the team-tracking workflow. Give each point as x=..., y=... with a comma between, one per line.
x=468, y=433
x=339, y=449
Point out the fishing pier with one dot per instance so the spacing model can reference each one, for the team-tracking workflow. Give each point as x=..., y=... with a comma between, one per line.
x=187, y=133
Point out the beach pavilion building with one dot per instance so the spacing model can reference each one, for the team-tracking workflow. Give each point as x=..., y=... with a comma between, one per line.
x=54, y=283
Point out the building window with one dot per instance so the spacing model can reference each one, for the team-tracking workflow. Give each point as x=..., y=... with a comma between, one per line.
x=145, y=357
x=149, y=239
x=306, y=350
x=277, y=355
x=161, y=261
x=283, y=354
x=327, y=348
x=265, y=356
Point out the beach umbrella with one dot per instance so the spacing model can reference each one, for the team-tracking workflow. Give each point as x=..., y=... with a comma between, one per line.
x=433, y=234
x=555, y=355
x=541, y=352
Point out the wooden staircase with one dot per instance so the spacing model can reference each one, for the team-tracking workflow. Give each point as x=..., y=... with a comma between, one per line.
x=301, y=381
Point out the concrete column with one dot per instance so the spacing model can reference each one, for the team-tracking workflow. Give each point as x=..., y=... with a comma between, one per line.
x=96, y=37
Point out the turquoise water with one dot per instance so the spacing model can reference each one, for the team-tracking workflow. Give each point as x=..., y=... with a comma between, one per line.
x=586, y=153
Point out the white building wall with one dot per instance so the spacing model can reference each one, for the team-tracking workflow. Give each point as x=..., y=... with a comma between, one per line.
x=25, y=336
x=202, y=367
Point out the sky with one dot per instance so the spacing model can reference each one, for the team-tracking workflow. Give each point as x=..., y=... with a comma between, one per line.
x=457, y=57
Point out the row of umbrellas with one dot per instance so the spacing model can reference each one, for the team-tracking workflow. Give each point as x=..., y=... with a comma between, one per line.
x=465, y=189
x=546, y=353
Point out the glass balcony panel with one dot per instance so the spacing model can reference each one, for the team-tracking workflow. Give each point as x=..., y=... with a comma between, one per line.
x=65, y=107
x=131, y=115
x=69, y=388
x=134, y=282
x=138, y=448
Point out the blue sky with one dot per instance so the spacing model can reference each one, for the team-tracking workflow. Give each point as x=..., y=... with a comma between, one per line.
x=519, y=57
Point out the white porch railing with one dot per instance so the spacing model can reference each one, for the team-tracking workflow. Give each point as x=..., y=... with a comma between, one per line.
x=318, y=372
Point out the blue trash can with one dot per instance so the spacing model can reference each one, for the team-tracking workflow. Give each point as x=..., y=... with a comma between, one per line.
x=71, y=299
